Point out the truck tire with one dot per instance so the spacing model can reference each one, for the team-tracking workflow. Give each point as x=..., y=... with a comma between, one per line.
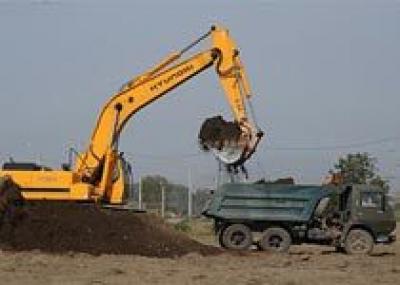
x=359, y=241
x=340, y=249
x=275, y=239
x=236, y=236
x=220, y=237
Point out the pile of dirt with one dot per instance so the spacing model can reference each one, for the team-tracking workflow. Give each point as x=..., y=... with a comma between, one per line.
x=215, y=132
x=70, y=227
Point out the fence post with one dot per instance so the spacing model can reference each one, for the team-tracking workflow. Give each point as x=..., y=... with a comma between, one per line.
x=190, y=193
x=162, y=200
x=140, y=193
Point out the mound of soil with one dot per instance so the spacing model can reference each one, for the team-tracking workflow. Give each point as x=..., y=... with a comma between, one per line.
x=70, y=227
x=215, y=132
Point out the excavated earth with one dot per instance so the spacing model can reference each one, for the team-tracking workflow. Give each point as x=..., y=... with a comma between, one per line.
x=56, y=227
x=215, y=131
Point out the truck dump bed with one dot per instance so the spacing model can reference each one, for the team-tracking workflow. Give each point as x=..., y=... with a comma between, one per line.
x=265, y=202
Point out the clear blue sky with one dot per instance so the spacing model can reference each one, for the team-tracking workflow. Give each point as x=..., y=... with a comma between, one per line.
x=324, y=74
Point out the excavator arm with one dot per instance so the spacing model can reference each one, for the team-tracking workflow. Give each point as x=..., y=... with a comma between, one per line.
x=100, y=173
x=130, y=100
x=155, y=83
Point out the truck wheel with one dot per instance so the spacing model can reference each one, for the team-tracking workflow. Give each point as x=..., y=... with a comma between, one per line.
x=221, y=237
x=359, y=241
x=275, y=239
x=236, y=236
x=340, y=249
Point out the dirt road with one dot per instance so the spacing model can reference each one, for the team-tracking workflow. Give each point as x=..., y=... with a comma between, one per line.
x=304, y=265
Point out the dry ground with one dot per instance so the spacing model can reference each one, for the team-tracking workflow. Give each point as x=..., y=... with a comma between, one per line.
x=303, y=265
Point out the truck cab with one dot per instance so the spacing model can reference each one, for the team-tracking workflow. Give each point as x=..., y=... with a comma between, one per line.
x=366, y=208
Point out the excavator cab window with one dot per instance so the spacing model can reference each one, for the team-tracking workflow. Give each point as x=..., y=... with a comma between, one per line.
x=128, y=177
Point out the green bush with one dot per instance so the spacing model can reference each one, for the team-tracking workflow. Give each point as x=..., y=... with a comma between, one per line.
x=183, y=226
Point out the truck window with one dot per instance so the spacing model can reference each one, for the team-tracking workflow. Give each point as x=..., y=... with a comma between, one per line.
x=345, y=198
x=372, y=200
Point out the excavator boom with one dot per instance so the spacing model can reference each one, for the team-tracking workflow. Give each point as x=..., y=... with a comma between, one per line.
x=158, y=81
x=100, y=173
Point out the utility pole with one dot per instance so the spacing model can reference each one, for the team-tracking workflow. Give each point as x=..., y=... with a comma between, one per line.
x=162, y=200
x=189, y=193
x=140, y=193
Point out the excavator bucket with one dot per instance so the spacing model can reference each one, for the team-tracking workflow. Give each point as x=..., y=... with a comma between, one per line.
x=11, y=201
x=225, y=140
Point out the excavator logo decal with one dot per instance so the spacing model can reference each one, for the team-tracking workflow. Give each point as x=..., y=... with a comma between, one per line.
x=171, y=78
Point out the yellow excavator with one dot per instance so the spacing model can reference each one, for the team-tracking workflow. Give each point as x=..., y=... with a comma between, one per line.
x=101, y=174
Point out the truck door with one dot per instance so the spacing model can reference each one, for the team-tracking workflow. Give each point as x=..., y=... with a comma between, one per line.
x=374, y=212
x=345, y=202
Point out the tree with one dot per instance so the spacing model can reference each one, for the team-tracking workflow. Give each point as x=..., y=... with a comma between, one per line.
x=152, y=188
x=176, y=195
x=359, y=168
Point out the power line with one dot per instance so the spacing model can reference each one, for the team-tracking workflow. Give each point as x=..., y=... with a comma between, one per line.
x=272, y=148
x=337, y=147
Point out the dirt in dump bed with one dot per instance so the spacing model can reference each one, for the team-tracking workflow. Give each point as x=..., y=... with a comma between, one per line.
x=70, y=227
x=215, y=131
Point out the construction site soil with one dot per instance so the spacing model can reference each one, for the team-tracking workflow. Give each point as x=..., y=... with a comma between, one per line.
x=56, y=227
x=303, y=265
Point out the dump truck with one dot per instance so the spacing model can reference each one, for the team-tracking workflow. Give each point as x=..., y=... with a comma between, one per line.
x=351, y=218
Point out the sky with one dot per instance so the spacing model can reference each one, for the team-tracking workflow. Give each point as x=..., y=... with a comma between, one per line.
x=324, y=75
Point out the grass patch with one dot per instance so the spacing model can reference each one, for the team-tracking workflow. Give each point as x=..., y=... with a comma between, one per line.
x=201, y=230
x=183, y=226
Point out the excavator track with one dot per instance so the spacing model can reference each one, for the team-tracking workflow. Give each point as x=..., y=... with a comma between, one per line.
x=11, y=202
